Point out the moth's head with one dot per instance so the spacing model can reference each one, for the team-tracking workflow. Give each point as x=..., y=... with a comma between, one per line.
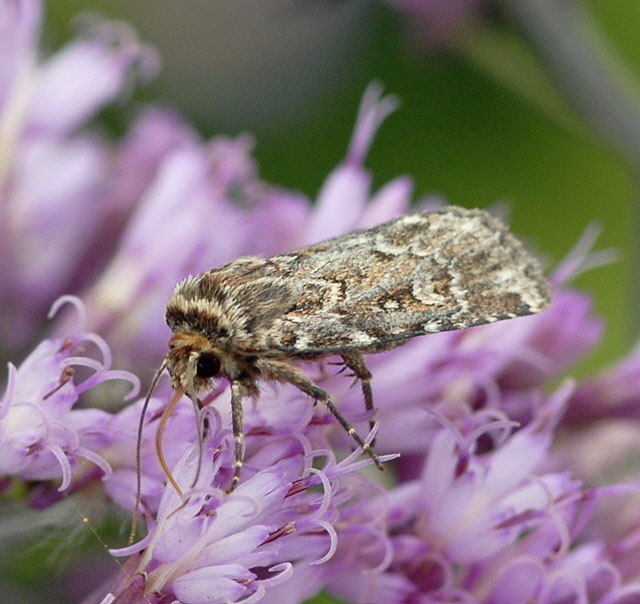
x=192, y=361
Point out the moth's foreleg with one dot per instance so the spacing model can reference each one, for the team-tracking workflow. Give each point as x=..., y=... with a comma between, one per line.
x=284, y=372
x=238, y=436
x=355, y=362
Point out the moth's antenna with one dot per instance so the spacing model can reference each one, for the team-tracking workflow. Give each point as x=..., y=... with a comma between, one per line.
x=177, y=395
x=145, y=405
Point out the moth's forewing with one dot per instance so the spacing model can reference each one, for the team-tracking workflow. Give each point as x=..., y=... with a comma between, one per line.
x=421, y=273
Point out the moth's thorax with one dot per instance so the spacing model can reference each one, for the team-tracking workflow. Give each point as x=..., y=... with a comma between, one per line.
x=237, y=307
x=199, y=308
x=218, y=303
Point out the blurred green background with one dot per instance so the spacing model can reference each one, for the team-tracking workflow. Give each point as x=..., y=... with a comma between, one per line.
x=480, y=119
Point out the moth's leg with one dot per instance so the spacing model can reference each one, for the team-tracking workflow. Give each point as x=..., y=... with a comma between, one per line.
x=284, y=372
x=355, y=362
x=238, y=436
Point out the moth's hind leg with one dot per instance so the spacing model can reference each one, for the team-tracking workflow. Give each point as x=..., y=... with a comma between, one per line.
x=284, y=372
x=355, y=362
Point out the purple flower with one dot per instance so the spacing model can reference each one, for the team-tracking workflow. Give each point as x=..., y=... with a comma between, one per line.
x=486, y=504
x=614, y=393
x=42, y=435
x=49, y=170
x=212, y=547
x=488, y=528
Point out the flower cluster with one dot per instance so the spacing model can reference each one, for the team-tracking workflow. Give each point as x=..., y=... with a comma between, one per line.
x=43, y=436
x=485, y=504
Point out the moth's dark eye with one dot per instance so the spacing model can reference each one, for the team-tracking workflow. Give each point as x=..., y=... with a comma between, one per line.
x=208, y=365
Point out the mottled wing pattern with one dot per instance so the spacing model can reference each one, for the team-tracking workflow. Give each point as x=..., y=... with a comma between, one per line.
x=368, y=290
x=421, y=273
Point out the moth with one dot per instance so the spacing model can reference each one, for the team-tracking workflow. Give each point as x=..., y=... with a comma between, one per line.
x=368, y=291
